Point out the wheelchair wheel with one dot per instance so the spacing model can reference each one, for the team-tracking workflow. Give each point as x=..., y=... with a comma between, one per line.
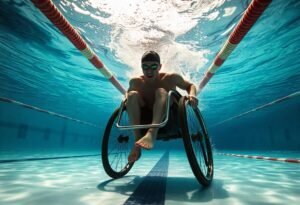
x=196, y=142
x=116, y=146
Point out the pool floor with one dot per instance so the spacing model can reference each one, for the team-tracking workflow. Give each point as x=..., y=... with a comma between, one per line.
x=83, y=181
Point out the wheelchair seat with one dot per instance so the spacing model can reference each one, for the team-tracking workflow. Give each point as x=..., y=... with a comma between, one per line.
x=172, y=129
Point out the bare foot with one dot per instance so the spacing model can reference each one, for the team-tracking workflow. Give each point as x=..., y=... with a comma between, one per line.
x=135, y=154
x=146, y=142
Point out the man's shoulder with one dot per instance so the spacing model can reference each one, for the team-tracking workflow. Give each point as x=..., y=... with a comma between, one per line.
x=171, y=75
x=136, y=80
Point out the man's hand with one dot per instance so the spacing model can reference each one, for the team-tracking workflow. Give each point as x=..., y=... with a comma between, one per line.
x=193, y=101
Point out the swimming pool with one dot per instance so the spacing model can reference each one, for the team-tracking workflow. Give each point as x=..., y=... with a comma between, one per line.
x=55, y=105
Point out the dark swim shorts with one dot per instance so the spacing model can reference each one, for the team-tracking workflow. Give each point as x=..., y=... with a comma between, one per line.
x=146, y=115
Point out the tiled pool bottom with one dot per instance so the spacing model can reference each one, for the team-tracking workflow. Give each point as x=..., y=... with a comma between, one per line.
x=83, y=181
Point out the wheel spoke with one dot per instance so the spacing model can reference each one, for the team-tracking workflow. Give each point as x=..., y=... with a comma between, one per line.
x=119, y=149
x=204, y=152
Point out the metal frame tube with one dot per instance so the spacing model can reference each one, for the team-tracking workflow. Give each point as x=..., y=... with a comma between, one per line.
x=134, y=127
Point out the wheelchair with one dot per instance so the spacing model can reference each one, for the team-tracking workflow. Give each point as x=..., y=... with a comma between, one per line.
x=181, y=122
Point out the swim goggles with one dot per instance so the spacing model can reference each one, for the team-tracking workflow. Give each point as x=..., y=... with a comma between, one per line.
x=152, y=66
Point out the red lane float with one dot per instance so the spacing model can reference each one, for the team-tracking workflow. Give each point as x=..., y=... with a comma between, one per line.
x=261, y=157
x=55, y=16
x=7, y=100
x=253, y=12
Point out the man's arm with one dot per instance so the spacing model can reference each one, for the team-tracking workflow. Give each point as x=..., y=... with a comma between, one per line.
x=192, y=90
x=133, y=85
x=180, y=82
x=188, y=86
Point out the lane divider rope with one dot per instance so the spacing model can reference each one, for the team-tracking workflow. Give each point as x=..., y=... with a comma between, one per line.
x=44, y=158
x=262, y=157
x=56, y=17
x=7, y=100
x=260, y=107
x=252, y=13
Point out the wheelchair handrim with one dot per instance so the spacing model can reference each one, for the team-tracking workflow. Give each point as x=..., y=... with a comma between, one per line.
x=204, y=174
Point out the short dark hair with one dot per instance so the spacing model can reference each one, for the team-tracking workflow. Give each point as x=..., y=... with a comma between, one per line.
x=150, y=56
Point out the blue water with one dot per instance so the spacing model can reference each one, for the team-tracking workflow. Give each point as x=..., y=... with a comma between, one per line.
x=40, y=67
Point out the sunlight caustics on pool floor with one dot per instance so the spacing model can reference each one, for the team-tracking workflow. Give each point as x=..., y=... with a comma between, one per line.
x=83, y=181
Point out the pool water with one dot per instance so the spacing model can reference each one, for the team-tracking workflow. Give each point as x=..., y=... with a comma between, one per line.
x=54, y=104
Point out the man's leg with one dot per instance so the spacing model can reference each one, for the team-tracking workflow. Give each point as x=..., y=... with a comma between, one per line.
x=159, y=109
x=133, y=106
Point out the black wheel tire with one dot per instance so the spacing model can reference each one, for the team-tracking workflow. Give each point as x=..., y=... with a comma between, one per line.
x=107, y=138
x=195, y=147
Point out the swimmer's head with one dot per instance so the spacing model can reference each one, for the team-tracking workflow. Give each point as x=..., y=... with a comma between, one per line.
x=151, y=64
x=151, y=56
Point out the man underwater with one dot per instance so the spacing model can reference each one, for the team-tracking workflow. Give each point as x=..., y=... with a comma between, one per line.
x=148, y=94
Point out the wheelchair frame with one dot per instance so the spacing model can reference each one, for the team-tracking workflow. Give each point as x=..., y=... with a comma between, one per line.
x=133, y=127
x=201, y=163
